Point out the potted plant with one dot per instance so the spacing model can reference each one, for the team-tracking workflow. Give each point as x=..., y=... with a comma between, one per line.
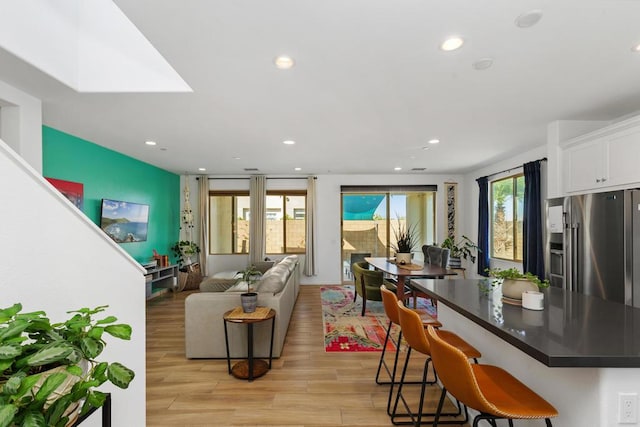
x=464, y=248
x=49, y=371
x=184, y=250
x=406, y=237
x=249, y=299
x=514, y=282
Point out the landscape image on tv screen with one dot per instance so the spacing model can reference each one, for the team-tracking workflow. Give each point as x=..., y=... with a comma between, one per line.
x=124, y=222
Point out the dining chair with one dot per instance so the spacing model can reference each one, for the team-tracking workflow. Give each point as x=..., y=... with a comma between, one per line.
x=367, y=283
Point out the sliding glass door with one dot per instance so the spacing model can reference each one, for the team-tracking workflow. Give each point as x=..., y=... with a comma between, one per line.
x=370, y=218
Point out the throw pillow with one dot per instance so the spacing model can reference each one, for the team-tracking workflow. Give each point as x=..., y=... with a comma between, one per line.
x=273, y=283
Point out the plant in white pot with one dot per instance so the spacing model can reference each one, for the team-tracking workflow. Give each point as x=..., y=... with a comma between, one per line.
x=406, y=240
x=49, y=372
x=463, y=248
x=249, y=299
x=515, y=283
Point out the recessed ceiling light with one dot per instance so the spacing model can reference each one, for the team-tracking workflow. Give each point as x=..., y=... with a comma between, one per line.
x=529, y=19
x=483, y=63
x=397, y=168
x=202, y=169
x=288, y=142
x=284, y=62
x=150, y=142
x=434, y=141
x=636, y=48
x=236, y=158
x=452, y=43
x=297, y=169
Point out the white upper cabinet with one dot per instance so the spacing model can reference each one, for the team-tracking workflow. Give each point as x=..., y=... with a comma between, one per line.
x=606, y=158
x=623, y=155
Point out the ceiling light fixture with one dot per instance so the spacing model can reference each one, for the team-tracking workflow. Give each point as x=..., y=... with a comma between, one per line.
x=425, y=148
x=434, y=141
x=297, y=169
x=202, y=169
x=284, y=62
x=483, y=64
x=529, y=19
x=452, y=43
x=236, y=158
x=288, y=142
x=636, y=48
x=150, y=142
x=397, y=168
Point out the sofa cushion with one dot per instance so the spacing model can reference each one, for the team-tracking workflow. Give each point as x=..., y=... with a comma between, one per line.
x=263, y=266
x=273, y=284
x=241, y=286
x=213, y=284
x=233, y=274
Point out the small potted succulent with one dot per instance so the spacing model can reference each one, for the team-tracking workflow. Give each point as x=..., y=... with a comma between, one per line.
x=49, y=371
x=514, y=282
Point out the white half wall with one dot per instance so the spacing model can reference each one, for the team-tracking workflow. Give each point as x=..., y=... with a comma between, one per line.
x=55, y=259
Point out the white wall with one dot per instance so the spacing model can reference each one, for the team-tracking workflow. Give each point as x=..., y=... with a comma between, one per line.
x=21, y=124
x=55, y=259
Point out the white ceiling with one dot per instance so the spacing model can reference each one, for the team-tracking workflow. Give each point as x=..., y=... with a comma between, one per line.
x=369, y=89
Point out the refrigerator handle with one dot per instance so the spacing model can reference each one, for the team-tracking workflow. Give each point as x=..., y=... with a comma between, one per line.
x=575, y=259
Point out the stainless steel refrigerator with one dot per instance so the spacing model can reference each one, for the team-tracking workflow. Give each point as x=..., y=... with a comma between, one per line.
x=593, y=244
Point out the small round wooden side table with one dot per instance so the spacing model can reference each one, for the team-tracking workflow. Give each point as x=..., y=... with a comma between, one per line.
x=249, y=368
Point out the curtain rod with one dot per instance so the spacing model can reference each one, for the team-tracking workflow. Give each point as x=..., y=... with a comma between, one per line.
x=243, y=177
x=544, y=159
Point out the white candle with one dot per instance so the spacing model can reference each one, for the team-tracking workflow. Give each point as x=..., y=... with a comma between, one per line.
x=533, y=300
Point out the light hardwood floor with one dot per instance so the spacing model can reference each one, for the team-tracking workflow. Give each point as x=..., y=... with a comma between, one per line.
x=306, y=386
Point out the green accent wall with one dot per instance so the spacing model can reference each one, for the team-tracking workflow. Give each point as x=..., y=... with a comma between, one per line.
x=111, y=175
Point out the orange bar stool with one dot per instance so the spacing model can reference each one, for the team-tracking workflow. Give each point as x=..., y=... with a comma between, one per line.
x=416, y=337
x=492, y=391
x=390, y=303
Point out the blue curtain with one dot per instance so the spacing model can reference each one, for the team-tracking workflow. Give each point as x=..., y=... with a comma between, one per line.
x=533, y=258
x=483, y=226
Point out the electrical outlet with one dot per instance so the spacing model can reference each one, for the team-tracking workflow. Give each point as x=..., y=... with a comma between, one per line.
x=627, y=408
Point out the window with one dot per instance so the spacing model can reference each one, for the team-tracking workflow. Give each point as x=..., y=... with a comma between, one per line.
x=229, y=217
x=369, y=219
x=507, y=208
x=286, y=224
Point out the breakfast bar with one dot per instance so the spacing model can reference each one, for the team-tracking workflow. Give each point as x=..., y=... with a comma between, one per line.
x=579, y=352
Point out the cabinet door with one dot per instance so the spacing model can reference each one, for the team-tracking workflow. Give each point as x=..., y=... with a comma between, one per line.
x=583, y=166
x=623, y=154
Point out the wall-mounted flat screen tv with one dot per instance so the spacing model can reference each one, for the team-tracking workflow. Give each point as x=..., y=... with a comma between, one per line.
x=124, y=222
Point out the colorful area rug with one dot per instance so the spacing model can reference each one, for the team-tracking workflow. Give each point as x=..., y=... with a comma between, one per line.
x=345, y=330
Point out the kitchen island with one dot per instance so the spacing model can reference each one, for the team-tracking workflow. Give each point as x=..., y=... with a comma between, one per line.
x=579, y=352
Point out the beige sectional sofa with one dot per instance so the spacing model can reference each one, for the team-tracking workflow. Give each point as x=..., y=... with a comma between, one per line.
x=204, y=328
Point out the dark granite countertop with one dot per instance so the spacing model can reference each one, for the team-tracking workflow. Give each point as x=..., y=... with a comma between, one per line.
x=573, y=330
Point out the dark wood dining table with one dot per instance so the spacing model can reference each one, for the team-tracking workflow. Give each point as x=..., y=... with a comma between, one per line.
x=428, y=271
